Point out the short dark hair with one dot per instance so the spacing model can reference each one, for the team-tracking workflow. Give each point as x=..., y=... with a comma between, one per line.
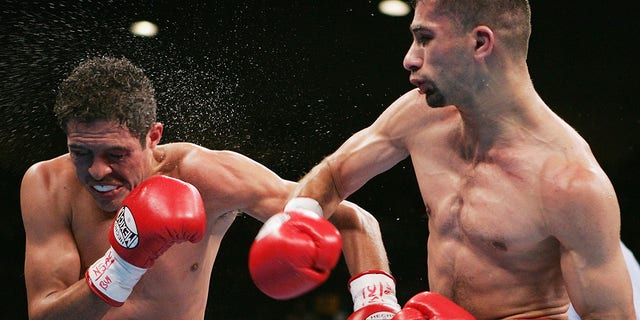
x=107, y=88
x=510, y=18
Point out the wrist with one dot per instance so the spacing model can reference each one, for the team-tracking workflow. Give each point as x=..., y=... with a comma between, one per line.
x=112, y=278
x=373, y=287
x=304, y=204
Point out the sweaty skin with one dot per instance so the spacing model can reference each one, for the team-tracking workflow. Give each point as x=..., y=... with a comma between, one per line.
x=522, y=219
x=507, y=231
x=67, y=221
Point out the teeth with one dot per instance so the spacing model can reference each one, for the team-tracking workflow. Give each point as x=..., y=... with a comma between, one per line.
x=104, y=188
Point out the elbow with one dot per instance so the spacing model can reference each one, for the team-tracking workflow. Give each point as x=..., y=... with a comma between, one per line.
x=350, y=217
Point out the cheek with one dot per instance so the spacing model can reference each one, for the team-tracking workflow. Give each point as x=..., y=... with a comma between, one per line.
x=132, y=169
x=439, y=66
x=82, y=175
x=81, y=168
x=452, y=67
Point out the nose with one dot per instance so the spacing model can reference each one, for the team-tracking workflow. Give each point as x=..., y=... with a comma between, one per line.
x=99, y=168
x=412, y=60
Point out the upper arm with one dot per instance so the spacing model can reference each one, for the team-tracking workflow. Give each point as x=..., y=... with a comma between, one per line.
x=231, y=181
x=585, y=219
x=52, y=261
x=380, y=146
x=364, y=155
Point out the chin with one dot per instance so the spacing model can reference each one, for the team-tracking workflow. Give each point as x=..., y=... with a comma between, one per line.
x=111, y=205
x=435, y=99
x=436, y=102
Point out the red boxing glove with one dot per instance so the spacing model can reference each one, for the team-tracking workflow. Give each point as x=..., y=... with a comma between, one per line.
x=432, y=306
x=158, y=213
x=295, y=251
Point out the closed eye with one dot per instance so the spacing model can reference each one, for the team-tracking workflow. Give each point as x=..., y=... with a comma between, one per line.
x=78, y=152
x=116, y=157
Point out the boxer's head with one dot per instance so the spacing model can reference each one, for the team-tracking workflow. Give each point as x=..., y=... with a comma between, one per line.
x=459, y=44
x=511, y=18
x=108, y=89
x=107, y=109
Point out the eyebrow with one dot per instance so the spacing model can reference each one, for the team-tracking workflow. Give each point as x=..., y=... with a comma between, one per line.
x=418, y=28
x=108, y=148
x=76, y=146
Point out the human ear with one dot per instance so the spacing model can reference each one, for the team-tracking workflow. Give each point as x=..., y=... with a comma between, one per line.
x=155, y=134
x=485, y=41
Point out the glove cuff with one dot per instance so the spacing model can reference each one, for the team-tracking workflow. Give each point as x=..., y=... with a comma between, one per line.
x=304, y=204
x=112, y=278
x=373, y=287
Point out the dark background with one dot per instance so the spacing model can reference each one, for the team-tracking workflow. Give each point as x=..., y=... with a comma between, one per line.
x=285, y=83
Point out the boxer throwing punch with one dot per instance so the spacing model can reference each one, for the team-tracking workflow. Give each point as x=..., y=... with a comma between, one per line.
x=522, y=219
x=159, y=211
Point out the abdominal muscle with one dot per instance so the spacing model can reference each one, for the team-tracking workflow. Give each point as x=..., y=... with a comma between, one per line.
x=493, y=288
x=175, y=287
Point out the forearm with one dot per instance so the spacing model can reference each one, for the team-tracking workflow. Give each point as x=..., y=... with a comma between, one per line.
x=75, y=302
x=363, y=248
x=320, y=184
x=372, y=287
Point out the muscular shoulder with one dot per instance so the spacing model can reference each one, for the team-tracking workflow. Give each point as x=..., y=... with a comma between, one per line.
x=49, y=187
x=576, y=192
x=410, y=111
x=52, y=175
x=564, y=177
x=409, y=117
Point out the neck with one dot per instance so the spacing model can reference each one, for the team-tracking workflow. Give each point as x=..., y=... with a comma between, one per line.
x=502, y=110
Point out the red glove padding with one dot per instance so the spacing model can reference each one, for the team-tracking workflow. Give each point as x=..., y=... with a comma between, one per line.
x=374, y=311
x=432, y=306
x=159, y=212
x=294, y=253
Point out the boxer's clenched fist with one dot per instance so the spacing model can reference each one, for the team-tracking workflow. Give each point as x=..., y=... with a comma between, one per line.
x=158, y=213
x=294, y=252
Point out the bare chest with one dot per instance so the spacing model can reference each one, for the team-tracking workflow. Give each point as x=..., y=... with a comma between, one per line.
x=494, y=207
x=90, y=228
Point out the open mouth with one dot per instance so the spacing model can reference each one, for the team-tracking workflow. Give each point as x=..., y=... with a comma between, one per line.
x=104, y=188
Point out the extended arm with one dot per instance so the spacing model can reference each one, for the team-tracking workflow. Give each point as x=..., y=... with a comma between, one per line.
x=294, y=250
x=364, y=155
x=231, y=181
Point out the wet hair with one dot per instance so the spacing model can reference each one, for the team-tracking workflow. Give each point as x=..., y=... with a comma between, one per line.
x=510, y=19
x=111, y=89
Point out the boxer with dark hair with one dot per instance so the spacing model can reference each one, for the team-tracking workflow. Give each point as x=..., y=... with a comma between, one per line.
x=522, y=219
x=123, y=227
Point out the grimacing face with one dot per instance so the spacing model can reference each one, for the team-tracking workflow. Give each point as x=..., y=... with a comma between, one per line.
x=109, y=161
